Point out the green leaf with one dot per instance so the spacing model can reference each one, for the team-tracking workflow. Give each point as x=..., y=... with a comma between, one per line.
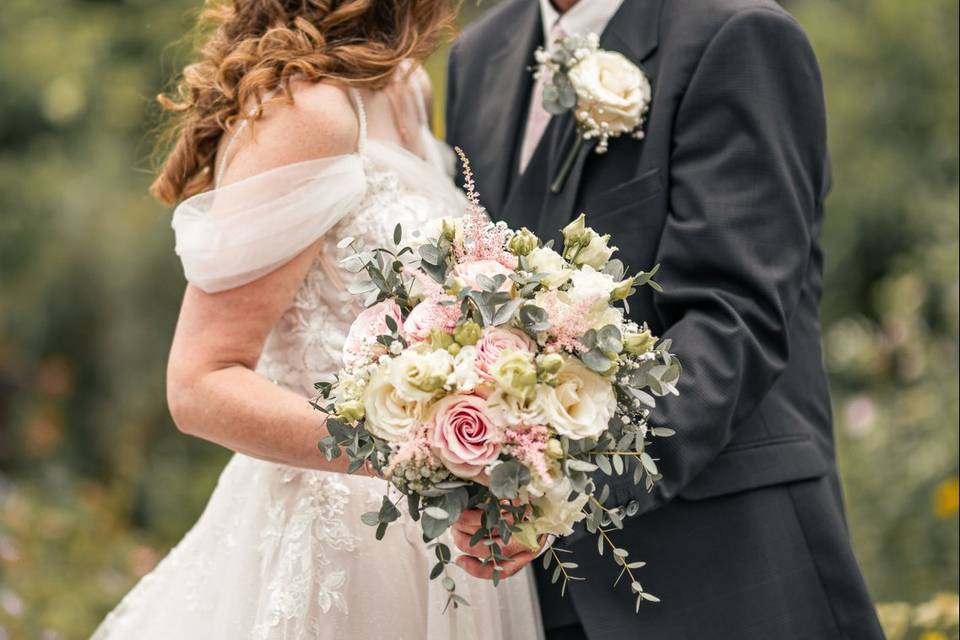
x=397, y=233
x=391, y=323
x=436, y=513
x=609, y=339
x=507, y=478
x=505, y=313
x=648, y=463
x=370, y=518
x=596, y=360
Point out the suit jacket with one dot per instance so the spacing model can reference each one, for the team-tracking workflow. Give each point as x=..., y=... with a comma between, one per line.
x=725, y=192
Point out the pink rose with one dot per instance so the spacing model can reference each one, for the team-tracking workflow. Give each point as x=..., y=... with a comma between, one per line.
x=496, y=340
x=469, y=271
x=462, y=435
x=361, y=343
x=429, y=315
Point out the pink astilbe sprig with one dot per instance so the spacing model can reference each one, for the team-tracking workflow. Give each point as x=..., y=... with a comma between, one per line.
x=482, y=240
x=416, y=449
x=528, y=446
x=568, y=321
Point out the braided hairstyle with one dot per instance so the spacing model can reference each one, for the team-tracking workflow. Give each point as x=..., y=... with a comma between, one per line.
x=251, y=47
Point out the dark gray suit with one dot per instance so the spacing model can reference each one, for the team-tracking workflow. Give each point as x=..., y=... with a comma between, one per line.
x=745, y=536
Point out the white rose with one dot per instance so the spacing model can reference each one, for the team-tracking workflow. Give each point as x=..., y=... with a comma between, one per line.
x=611, y=91
x=557, y=514
x=581, y=404
x=419, y=373
x=589, y=283
x=545, y=260
x=464, y=377
x=389, y=415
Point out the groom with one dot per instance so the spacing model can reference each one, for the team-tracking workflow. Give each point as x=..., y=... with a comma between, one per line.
x=745, y=535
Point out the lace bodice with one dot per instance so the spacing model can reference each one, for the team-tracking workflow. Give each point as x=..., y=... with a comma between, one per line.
x=306, y=344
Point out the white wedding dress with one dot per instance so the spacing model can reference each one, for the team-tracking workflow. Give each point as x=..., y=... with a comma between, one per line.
x=280, y=552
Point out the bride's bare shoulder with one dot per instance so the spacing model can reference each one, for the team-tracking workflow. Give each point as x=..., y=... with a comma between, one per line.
x=320, y=121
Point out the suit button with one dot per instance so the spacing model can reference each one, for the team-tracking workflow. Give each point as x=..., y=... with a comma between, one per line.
x=633, y=508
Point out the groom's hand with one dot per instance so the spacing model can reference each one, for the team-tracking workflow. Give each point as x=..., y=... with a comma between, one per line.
x=475, y=560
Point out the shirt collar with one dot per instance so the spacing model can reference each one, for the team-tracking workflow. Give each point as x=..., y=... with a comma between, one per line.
x=583, y=18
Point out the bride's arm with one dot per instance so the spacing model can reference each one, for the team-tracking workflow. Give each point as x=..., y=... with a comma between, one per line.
x=212, y=390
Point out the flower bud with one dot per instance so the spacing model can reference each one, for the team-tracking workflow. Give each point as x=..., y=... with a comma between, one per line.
x=638, y=343
x=468, y=333
x=550, y=363
x=554, y=449
x=523, y=242
x=350, y=410
x=622, y=289
x=453, y=348
x=440, y=339
x=574, y=234
x=448, y=229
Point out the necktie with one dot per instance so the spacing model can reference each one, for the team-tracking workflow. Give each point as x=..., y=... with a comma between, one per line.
x=538, y=118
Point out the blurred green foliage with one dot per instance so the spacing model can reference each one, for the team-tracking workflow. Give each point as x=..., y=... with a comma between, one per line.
x=96, y=484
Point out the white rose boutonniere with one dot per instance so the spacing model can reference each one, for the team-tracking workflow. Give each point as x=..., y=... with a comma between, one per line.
x=609, y=95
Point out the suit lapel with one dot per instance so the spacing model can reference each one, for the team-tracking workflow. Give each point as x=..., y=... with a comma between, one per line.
x=505, y=94
x=633, y=31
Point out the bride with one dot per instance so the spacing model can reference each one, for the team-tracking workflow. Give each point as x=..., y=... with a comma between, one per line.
x=303, y=122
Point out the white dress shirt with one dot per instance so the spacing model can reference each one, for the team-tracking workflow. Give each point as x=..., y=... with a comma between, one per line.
x=583, y=18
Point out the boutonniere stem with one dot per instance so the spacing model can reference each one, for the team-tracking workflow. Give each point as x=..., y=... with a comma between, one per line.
x=567, y=166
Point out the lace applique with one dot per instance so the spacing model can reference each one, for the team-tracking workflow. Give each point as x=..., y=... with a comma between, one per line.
x=295, y=546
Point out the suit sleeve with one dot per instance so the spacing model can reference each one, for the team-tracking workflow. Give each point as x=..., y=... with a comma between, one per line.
x=746, y=180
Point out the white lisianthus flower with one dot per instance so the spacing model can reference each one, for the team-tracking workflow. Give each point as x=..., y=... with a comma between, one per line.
x=420, y=372
x=611, y=91
x=389, y=415
x=539, y=485
x=581, y=404
x=602, y=314
x=557, y=514
x=584, y=246
x=447, y=226
x=589, y=283
x=509, y=410
x=464, y=377
x=545, y=260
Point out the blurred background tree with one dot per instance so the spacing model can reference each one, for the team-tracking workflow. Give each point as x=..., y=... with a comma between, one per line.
x=96, y=483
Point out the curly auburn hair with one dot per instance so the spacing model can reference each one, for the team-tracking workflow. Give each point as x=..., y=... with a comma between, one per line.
x=252, y=47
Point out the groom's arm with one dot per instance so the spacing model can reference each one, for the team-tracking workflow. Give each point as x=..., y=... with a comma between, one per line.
x=747, y=177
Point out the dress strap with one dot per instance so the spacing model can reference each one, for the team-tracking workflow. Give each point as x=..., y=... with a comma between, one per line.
x=414, y=81
x=361, y=120
x=225, y=157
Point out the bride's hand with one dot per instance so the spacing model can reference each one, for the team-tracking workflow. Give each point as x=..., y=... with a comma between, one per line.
x=475, y=560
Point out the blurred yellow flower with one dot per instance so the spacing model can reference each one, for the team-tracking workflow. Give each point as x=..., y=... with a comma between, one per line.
x=946, y=498
x=932, y=635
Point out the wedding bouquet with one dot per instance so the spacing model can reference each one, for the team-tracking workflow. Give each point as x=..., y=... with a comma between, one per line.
x=491, y=371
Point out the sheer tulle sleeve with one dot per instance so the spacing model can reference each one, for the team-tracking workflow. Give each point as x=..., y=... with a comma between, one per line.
x=233, y=235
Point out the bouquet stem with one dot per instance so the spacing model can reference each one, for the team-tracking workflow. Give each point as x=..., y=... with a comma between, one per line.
x=567, y=166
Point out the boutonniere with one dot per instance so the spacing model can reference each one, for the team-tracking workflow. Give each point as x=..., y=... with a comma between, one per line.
x=609, y=95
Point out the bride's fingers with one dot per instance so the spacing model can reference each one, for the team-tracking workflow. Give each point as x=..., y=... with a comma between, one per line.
x=469, y=520
x=482, y=550
x=480, y=569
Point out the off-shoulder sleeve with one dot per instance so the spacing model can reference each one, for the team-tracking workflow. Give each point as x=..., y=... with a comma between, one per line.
x=235, y=234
